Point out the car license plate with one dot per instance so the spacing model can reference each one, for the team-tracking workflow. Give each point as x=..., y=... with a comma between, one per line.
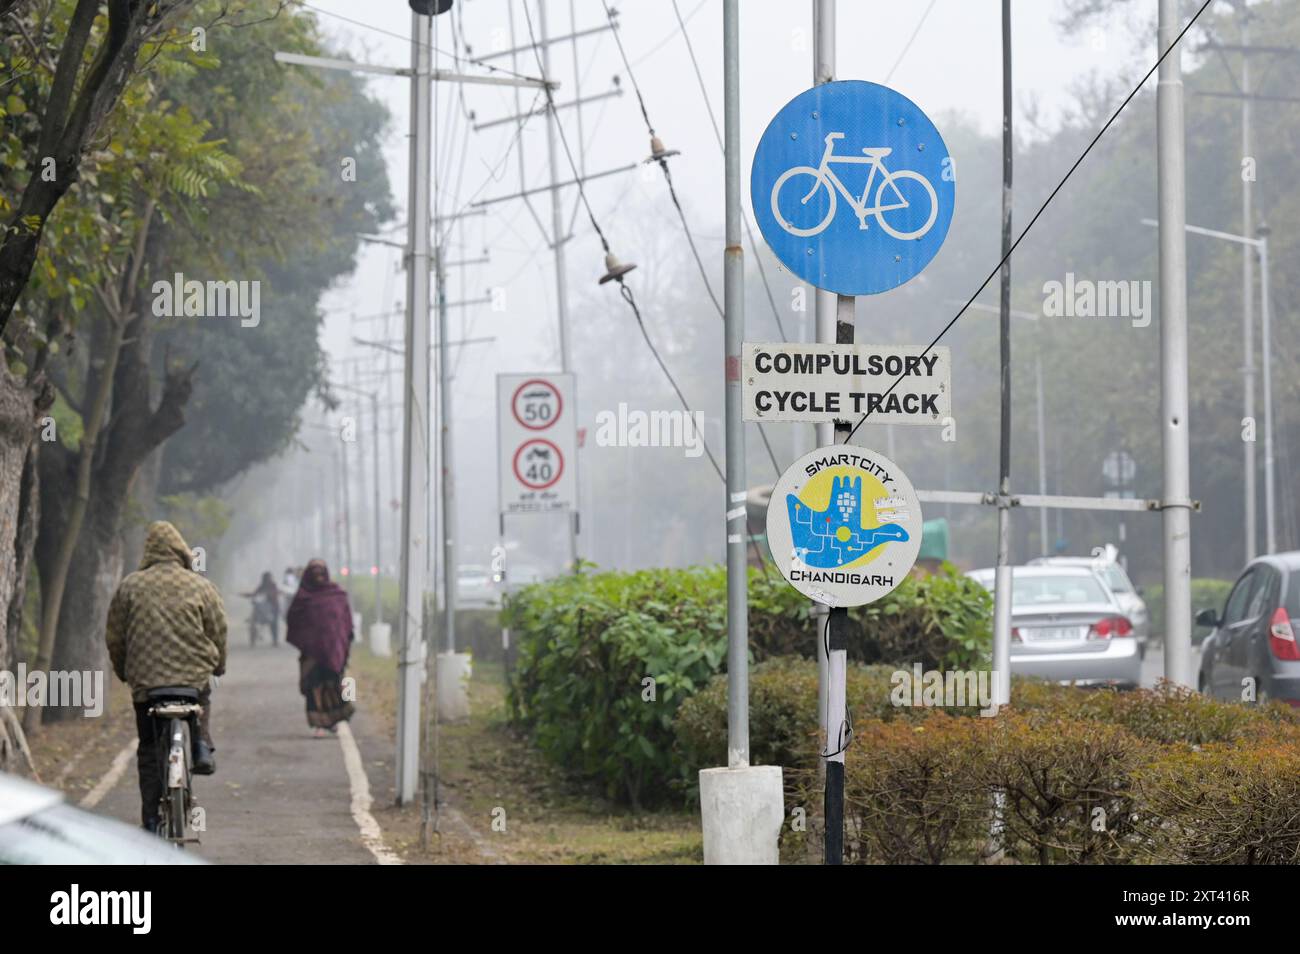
x=1057, y=633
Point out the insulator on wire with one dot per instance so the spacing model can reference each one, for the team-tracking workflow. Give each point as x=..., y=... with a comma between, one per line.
x=657, y=151
x=614, y=269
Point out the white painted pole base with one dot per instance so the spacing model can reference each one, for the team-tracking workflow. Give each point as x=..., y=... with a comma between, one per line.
x=742, y=810
x=381, y=639
x=452, y=686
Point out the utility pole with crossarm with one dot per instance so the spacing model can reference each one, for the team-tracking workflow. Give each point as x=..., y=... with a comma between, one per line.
x=415, y=552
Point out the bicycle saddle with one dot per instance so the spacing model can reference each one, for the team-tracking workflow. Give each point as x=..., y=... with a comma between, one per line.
x=878, y=152
x=173, y=692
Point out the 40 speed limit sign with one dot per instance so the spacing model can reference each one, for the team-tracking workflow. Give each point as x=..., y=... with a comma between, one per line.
x=536, y=443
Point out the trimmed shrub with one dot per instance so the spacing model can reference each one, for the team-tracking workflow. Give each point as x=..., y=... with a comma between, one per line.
x=909, y=795
x=588, y=643
x=1166, y=714
x=943, y=621
x=784, y=725
x=1065, y=787
x=587, y=646
x=1081, y=776
x=1225, y=805
x=783, y=718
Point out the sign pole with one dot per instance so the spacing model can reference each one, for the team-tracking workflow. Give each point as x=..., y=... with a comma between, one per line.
x=415, y=420
x=845, y=525
x=836, y=643
x=741, y=805
x=449, y=569
x=1171, y=163
x=737, y=527
x=824, y=311
x=558, y=238
x=1002, y=577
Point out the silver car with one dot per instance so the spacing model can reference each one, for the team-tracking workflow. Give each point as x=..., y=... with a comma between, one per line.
x=474, y=586
x=1067, y=626
x=1117, y=581
x=37, y=827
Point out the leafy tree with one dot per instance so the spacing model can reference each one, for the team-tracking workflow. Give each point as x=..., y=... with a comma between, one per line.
x=224, y=166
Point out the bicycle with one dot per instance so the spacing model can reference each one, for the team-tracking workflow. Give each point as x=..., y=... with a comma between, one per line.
x=825, y=177
x=179, y=706
x=260, y=614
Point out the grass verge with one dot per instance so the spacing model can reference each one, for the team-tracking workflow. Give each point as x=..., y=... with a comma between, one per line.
x=501, y=803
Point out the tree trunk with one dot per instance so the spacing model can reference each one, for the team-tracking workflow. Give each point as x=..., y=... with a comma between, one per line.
x=20, y=408
x=54, y=579
x=135, y=431
x=92, y=578
x=143, y=509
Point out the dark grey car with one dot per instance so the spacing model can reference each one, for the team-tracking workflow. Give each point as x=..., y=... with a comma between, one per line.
x=1254, y=637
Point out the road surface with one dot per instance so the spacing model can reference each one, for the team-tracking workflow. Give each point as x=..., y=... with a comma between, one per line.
x=1153, y=667
x=279, y=795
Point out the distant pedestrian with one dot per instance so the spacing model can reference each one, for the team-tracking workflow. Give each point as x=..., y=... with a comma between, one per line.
x=266, y=606
x=289, y=587
x=320, y=627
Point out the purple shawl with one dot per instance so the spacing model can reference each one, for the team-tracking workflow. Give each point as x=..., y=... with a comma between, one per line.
x=320, y=620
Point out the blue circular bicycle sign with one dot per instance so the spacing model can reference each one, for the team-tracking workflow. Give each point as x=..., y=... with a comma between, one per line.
x=853, y=187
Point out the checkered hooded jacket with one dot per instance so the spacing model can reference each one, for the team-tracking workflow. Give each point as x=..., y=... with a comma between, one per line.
x=166, y=624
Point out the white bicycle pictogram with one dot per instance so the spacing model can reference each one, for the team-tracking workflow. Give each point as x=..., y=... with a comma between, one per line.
x=824, y=177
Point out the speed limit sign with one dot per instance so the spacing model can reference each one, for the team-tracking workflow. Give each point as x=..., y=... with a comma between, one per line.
x=537, y=404
x=537, y=443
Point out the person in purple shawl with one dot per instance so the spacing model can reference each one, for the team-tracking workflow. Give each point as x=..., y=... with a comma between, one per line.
x=320, y=627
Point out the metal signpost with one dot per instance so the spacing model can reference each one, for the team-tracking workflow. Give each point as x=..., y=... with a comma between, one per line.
x=844, y=527
x=415, y=552
x=853, y=189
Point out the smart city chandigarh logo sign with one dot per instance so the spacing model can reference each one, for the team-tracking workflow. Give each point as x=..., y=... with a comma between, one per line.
x=844, y=525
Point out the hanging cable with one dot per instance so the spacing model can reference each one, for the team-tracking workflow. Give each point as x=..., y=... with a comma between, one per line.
x=660, y=156
x=1046, y=202
x=403, y=37
x=717, y=134
x=616, y=272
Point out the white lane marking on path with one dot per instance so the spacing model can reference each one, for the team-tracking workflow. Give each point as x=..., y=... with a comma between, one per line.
x=111, y=777
x=371, y=836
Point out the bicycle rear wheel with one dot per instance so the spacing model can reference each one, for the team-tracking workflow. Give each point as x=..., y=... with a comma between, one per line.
x=176, y=814
x=904, y=226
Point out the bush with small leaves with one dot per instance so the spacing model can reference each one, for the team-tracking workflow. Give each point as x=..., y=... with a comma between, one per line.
x=1222, y=805
x=1063, y=787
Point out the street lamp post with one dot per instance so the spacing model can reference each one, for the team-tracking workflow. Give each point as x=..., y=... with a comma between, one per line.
x=1260, y=245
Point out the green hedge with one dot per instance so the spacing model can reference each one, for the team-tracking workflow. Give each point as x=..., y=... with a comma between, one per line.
x=588, y=643
x=783, y=717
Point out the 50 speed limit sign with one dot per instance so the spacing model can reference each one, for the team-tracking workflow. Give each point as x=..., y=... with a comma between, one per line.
x=536, y=442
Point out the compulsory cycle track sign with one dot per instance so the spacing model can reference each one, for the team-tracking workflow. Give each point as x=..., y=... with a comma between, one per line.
x=536, y=443
x=844, y=525
x=853, y=187
x=820, y=383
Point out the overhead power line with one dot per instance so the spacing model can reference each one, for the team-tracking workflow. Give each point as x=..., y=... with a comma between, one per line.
x=616, y=272
x=717, y=133
x=1046, y=202
x=660, y=157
